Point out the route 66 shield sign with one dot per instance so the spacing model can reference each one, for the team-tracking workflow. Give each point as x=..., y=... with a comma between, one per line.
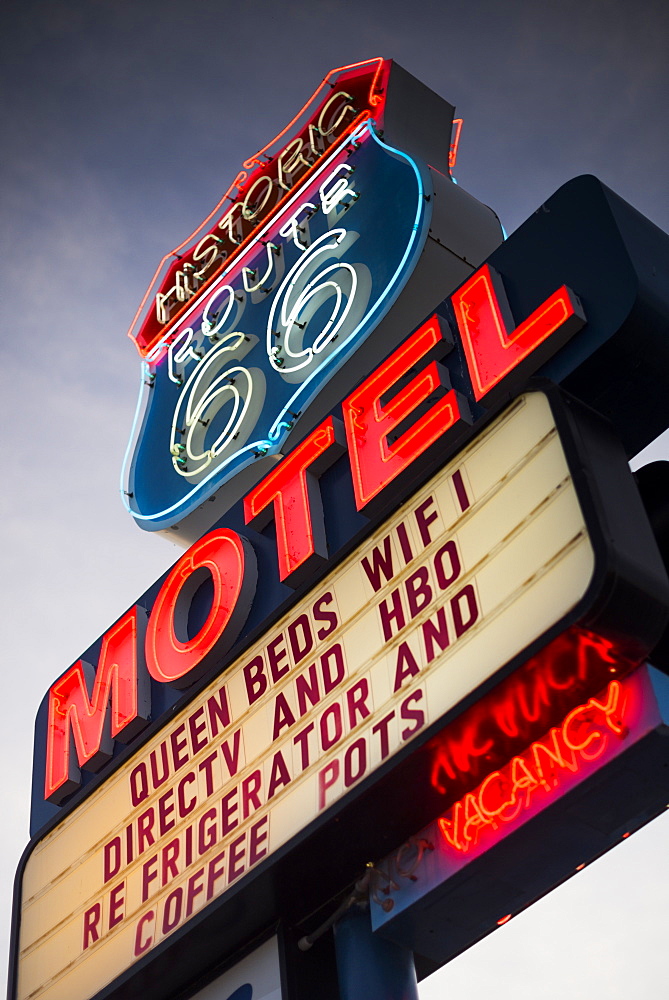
x=262, y=324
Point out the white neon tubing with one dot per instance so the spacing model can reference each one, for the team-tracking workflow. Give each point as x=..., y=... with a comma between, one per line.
x=331, y=329
x=208, y=328
x=198, y=398
x=332, y=197
x=217, y=391
x=287, y=321
x=249, y=270
x=291, y=227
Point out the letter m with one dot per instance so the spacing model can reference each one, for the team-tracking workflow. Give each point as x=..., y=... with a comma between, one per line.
x=89, y=709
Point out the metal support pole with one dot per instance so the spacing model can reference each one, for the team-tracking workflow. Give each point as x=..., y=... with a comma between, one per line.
x=368, y=966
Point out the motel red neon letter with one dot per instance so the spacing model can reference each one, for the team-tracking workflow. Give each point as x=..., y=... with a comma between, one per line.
x=291, y=493
x=493, y=345
x=375, y=462
x=117, y=708
x=174, y=657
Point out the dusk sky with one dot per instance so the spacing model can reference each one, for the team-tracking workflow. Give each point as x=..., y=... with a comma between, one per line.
x=122, y=124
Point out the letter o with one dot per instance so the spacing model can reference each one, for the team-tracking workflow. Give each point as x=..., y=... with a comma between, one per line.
x=445, y=579
x=172, y=657
x=172, y=910
x=354, y=770
x=251, y=210
x=331, y=735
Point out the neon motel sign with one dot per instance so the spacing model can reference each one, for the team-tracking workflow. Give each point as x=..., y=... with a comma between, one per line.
x=485, y=545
